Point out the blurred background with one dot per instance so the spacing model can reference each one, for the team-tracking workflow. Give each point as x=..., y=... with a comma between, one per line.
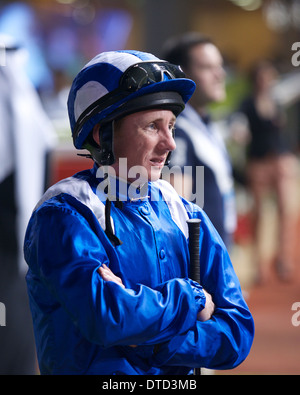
x=59, y=36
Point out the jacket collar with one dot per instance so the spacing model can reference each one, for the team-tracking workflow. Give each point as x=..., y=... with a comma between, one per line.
x=117, y=189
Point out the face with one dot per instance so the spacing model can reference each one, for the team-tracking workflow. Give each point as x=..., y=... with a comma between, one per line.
x=206, y=69
x=144, y=138
x=266, y=78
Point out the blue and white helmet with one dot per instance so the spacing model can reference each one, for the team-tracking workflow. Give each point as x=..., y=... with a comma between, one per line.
x=117, y=83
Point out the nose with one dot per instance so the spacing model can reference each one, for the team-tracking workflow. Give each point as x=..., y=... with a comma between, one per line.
x=167, y=142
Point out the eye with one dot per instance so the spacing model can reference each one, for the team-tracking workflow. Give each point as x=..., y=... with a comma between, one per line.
x=152, y=127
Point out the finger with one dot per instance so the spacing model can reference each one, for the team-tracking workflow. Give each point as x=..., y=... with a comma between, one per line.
x=105, y=274
x=108, y=275
x=104, y=270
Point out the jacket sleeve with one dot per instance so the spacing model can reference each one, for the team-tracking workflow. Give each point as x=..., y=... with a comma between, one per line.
x=64, y=251
x=225, y=340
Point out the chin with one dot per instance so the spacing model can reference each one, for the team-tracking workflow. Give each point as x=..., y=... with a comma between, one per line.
x=155, y=174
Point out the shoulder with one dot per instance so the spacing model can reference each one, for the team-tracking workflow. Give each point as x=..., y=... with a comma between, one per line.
x=76, y=185
x=75, y=194
x=57, y=215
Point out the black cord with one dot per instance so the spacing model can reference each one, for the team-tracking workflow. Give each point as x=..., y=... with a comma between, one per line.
x=108, y=226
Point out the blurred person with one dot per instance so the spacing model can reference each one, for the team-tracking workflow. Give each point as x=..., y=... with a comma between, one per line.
x=107, y=248
x=271, y=167
x=25, y=138
x=198, y=140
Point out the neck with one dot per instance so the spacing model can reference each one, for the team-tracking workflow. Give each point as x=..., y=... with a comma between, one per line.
x=115, y=188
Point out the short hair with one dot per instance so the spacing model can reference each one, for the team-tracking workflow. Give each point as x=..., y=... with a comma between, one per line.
x=177, y=49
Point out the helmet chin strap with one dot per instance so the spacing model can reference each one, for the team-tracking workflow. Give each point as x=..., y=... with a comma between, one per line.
x=106, y=137
x=167, y=162
x=104, y=156
x=103, y=153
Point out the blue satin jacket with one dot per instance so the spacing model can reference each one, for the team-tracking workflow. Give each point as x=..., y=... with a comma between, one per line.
x=85, y=325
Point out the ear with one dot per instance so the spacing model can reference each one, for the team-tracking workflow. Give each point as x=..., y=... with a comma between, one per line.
x=96, y=134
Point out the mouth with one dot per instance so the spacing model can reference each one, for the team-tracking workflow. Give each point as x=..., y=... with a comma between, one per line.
x=158, y=161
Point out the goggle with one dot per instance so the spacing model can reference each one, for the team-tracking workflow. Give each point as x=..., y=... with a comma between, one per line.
x=140, y=75
x=133, y=79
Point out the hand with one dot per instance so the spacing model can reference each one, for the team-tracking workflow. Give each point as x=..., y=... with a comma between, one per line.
x=107, y=275
x=208, y=310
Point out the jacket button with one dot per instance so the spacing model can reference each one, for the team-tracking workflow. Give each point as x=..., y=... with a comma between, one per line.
x=162, y=254
x=145, y=210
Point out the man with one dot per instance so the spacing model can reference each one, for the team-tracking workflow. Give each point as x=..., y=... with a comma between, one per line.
x=198, y=141
x=107, y=249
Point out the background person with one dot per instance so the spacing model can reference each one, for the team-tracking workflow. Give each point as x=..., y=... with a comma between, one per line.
x=198, y=141
x=26, y=139
x=271, y=168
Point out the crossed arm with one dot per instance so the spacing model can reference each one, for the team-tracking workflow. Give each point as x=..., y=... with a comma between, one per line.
x=203, y=315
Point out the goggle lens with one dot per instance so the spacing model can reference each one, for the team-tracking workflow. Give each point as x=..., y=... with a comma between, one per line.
x=146, y=73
